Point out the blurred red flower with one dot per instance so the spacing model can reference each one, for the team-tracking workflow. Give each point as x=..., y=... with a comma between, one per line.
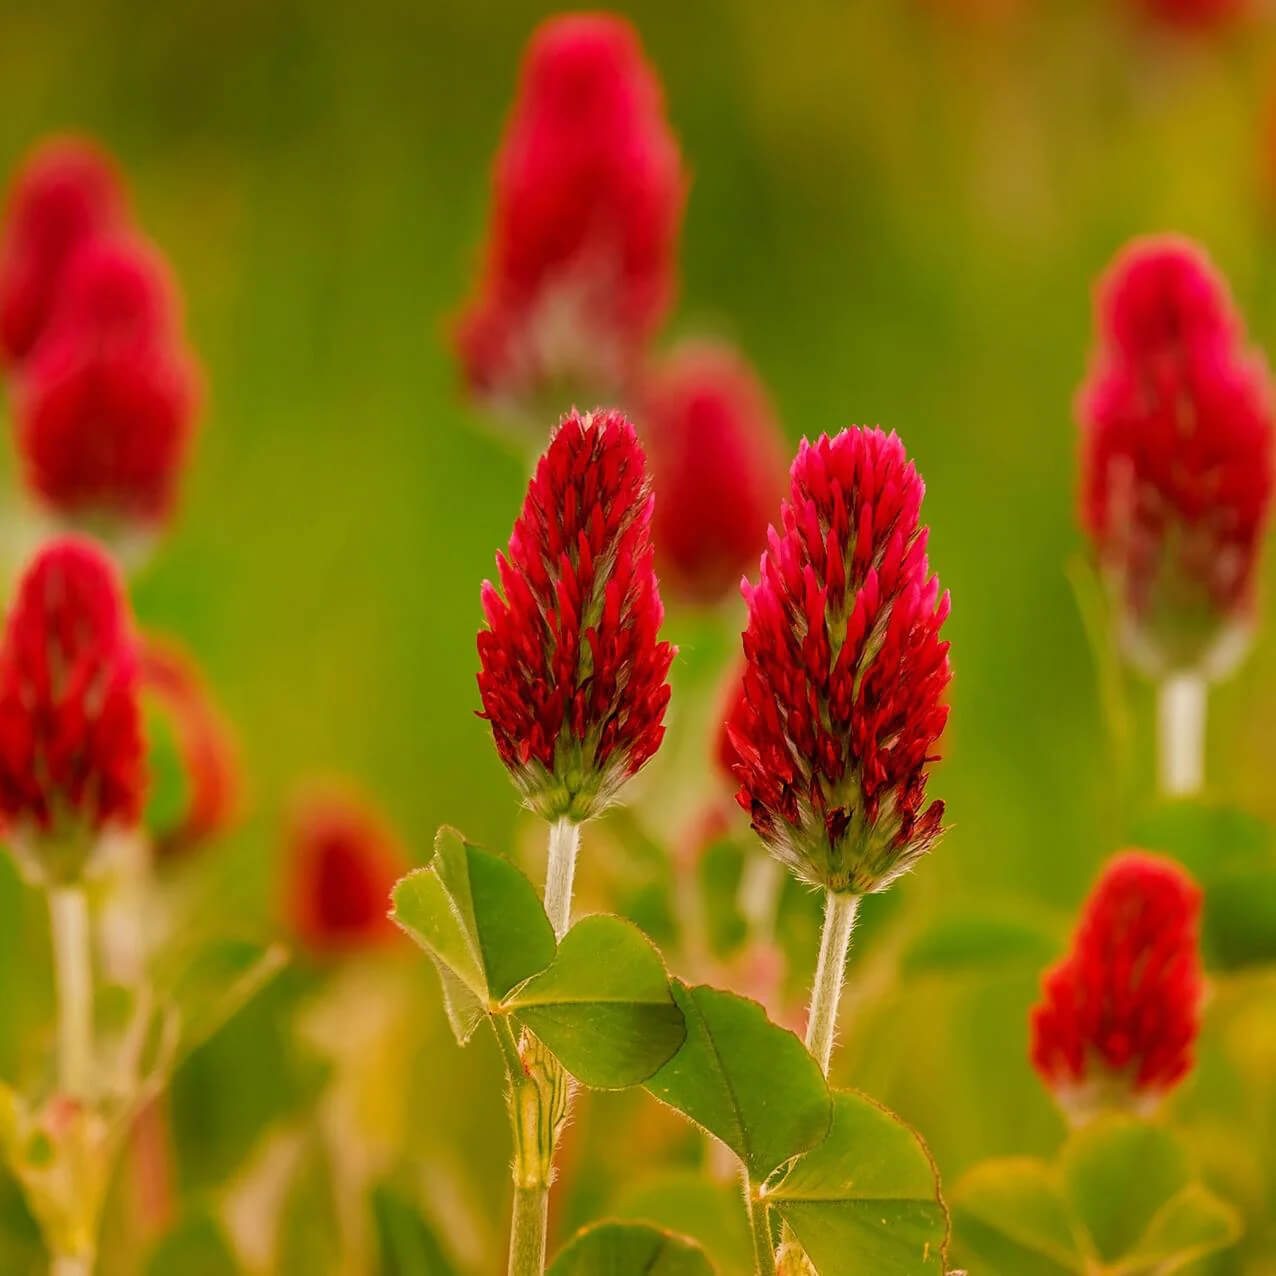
x=206, y=748
x=717, y=461
x=1176, y=457
x=845, y=671
x=341, y=861
x=71, y=755
x=65, y=192
x=588, y=191
x=572, y=674
x=1119, y=1015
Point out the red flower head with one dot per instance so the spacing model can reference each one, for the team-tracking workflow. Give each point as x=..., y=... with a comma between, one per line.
x=210, y=781
x=573, y=672
x=845, y=670
x=71, y=755
x=66, y=192
x=1176, y=459
x=717, y=467
x=342, y=862
x=587, y=198
x=104, y=425
x=1119, y=1014
x=733, y=717
x=117, y=290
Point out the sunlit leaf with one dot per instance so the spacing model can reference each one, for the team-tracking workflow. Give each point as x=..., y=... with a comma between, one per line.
x=480, y=921
x=694, y=1204
x=603, y=1007
x=867, y=1198
x=747, y=1081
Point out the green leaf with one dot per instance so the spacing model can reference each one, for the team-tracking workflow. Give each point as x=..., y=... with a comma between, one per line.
x=745, y=1080
x=1123, y=1199
x=692, y=1204
x=1131, y=1188
x=603, y=1008
x=629, y=1249
x=1010, y=1218
x=406, y=1243
x=867, y=1199
x=195, y=1247
x=480, y=921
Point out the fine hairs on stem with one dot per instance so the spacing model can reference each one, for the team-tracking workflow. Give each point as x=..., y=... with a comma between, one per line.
x=760, y=1226
x=564, y=843
x=826, y=994
x=1181, y=702
x=69, y=930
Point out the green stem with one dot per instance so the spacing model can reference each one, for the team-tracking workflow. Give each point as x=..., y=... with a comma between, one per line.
x=69, y=931
x=564, y=843
x=760, y=1226
x=826, y=995
x=527, y=1231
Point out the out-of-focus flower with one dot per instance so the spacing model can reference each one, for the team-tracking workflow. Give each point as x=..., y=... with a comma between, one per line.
x=1120, y=1013
x=71, y=754
x=66, y=192
x=117, y=291
x=845, y=670
x=588, y=191
x=1176, y=459
x=573, y=674
x=104, y=427
x=341, y=863
x=1192, y=15
x=717, y=462
x=210, y=779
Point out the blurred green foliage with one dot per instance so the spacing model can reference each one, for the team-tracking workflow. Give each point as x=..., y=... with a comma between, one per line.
x=897, y=212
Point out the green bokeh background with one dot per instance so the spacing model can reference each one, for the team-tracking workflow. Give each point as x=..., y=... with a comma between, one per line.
x=897, y=212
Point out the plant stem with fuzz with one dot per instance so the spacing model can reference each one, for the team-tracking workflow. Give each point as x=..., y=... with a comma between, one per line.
x=760, y=1227
x=69, y=931
x=840, y=909
x=564, y=843
x=1180, y=704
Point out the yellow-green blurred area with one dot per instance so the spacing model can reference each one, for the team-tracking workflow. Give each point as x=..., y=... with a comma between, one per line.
x=897, y=212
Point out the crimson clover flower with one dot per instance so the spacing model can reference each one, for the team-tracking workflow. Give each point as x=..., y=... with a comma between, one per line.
x=1120, y=1013
x=845, y=670
x=717, y=467
x=210, y=778
x=573, y=674
x=588, y=191
x=66, y=192
x=71, y=754
x=1176, y=458
x=341, y=861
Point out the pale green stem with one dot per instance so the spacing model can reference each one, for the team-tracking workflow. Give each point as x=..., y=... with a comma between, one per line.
x=760, y=1227
x=564, y=843
x=527, y=1231
x=69, y=930
x=826, y=995
x=1181, y=701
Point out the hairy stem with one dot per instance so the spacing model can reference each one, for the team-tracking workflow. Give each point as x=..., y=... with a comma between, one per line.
x=835, y=941
x=527, y=1231
x=564, y=843
x=69, y=930
x=760, y=1226
x=1181, y=734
